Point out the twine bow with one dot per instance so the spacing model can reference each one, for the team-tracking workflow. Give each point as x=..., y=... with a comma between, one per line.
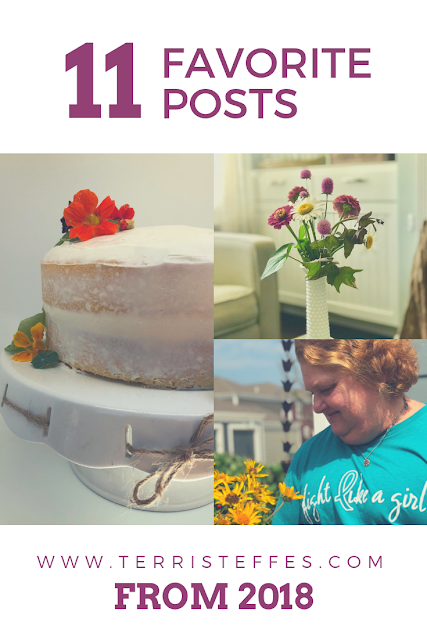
x=173, y=460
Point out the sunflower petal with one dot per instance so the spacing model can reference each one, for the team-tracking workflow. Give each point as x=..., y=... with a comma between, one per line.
x=23, y=356
x=21, y=340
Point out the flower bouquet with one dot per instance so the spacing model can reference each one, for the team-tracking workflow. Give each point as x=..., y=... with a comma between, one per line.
x=317, y=250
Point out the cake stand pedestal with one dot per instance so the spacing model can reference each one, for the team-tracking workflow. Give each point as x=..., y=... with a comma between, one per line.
x=91, y=420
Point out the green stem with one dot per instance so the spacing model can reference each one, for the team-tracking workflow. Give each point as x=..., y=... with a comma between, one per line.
x=293, y=233
x=292, y=258
x=312, y=228
x=274, y=512
x=307, y=232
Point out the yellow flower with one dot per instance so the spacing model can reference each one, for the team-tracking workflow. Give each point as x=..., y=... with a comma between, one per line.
x=222, y=520
x=21, y=340
x=247, y=514
x=220, y=478
x=260, y=492
x=252, y=469
x=288, y=494
x=226, y=496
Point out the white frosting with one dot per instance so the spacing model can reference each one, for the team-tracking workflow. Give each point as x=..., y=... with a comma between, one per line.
x=144, y=246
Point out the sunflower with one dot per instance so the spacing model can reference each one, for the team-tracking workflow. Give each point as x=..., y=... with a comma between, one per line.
x=220, y=478
x=260, y=492
x=307, y=209
x=254, y=470
x=247, y=514
x=288, y=493
x=228, y=497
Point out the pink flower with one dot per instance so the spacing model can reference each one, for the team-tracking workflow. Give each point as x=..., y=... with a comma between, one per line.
x=294, y=193
x=303, y=194
x=327, y=186
x=347, y=205
x=324, y=227
x=305, y=174
x=282, y=216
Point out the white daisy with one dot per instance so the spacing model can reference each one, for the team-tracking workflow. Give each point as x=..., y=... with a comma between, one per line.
x=370, y=239
x=306, y=209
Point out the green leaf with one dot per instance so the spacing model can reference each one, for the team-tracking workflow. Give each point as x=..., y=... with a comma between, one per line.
x=331, y=243
x=277, y=260
x=313, y=268
x=12, y=348
x=66, y=238
x=345, y=276
x=26, y=325
x=348, y=242
x=45, y=359
x=301, y=232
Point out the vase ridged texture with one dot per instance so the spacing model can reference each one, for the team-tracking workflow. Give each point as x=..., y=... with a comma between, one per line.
x=317, y=309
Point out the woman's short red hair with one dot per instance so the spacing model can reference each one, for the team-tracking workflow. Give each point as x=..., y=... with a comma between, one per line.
x=391, y=366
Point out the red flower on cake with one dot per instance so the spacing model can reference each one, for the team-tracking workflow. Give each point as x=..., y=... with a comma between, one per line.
x=123, y=216
x=87, y=219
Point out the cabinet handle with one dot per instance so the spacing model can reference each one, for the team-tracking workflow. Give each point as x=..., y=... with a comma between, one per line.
x=354, y=180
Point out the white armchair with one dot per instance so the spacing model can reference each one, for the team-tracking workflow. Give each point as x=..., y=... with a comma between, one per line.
x=245, y=306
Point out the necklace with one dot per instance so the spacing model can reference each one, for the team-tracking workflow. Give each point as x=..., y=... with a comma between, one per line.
x=367, y=462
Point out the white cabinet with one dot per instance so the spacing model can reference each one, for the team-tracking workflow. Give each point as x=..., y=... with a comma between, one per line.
x=375, y=186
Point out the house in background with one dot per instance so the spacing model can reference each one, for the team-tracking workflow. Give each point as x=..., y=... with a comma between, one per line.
x=250, y=419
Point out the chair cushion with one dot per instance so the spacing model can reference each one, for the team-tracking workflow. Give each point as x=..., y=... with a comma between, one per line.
x=236, y=307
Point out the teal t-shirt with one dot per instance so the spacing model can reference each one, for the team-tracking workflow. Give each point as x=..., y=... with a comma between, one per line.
x=338, y=489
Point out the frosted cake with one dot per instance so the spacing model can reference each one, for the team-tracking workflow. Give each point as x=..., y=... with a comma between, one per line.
x=136, y=305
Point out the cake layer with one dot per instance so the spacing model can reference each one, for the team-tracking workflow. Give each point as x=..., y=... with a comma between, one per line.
x=133, y=309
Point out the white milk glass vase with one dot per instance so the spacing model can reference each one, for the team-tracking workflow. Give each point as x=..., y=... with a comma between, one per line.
x=317, y=317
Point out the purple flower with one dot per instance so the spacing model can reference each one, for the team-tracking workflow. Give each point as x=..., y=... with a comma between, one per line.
x=324, y=227
x=293, y=194
x=303, y=194
x=282, y=216
x=327, y=186
x=305, y=174
x=346, y=206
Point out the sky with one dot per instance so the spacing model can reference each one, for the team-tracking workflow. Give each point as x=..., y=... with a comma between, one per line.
x=252, y=361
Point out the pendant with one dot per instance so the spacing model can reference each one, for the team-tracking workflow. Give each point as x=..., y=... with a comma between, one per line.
x=366, y=462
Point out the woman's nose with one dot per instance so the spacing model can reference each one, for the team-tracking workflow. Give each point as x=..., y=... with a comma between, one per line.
x=319, y=405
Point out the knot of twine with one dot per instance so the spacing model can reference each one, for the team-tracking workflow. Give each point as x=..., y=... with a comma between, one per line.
x=173, y=460
x=42, y=421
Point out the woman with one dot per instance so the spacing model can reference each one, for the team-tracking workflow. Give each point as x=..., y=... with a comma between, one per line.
x=370, y=465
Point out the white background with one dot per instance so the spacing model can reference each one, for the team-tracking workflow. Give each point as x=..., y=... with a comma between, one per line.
x=383, y=114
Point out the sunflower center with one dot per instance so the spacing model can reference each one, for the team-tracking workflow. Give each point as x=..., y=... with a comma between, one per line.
x=369, y=242
x=232, y=498
x=93, y=219
x=242, y=518
x=305, y=208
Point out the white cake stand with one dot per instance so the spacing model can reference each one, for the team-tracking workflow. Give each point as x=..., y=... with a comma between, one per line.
x=92, y=420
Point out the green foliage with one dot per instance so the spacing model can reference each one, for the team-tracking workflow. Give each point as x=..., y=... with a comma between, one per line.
x=45, y=359
x=66, y=238
x=25, y=326
x=277, y=260
x=345, y=276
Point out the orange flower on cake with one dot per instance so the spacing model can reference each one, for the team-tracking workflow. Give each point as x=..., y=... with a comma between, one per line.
x=124, y=217
x=22, y=341
x=87, y=219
